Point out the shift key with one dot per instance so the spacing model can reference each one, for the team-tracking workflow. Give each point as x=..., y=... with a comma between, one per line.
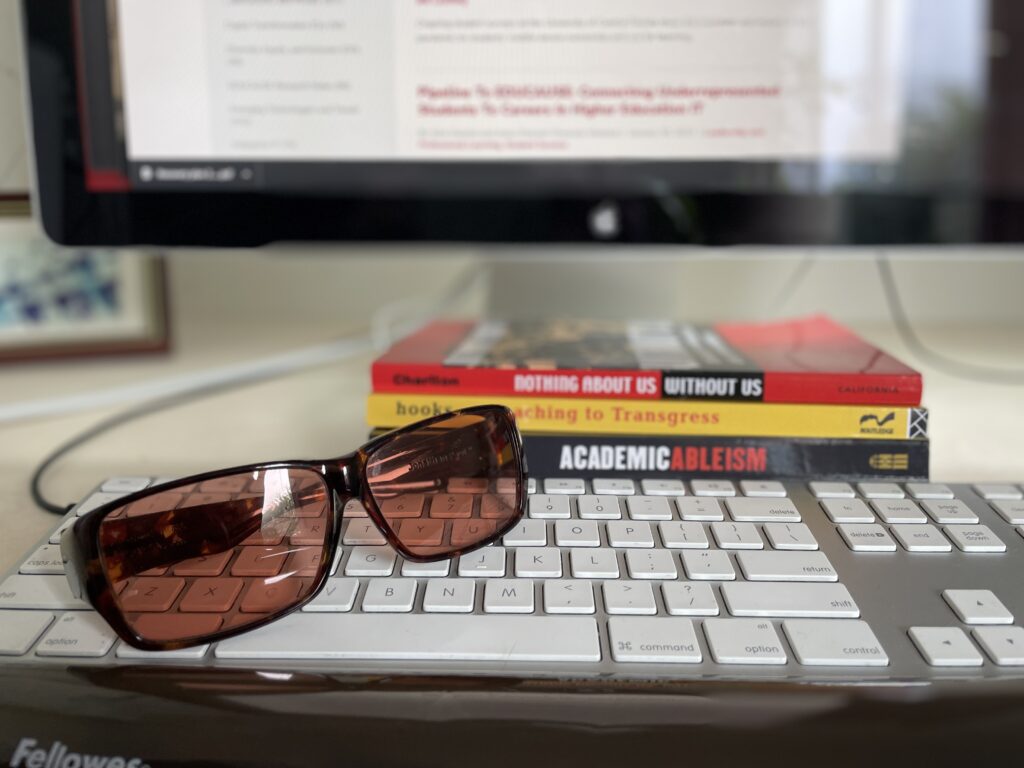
x=45, y=593
x=790, y=600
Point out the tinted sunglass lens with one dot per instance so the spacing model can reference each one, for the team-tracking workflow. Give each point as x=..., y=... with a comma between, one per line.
x=450, y=485
x=193, y=560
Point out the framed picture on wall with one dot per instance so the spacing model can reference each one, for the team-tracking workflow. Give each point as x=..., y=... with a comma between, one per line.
x=57, y=302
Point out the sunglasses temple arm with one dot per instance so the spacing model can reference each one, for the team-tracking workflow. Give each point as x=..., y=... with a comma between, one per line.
x=74, y=562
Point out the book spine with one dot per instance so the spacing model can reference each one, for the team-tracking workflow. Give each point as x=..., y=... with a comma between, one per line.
x=456, y=380
x=749, y=386
x=734, y=458
x=665, y=417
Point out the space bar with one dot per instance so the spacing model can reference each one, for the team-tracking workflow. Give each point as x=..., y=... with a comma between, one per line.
x=419, y=637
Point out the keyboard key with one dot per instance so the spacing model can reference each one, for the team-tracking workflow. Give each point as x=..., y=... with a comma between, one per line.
x=1004, y=645
x=210, y=595
x=662, y=641
x=205, y=565
x=488, y=562
x=648, y=508
x=449, y=596
x=1011, y=511
x=354, y=509
x=20, y=629
x=531, y=486
x=577, y=533
x=992, y=491
x=737, y=536
x=880, y=490
x=700, y=510
x=420, y=638
x=663, y=487
x=124, y=485
x=546, y=506
x=683, y=598
x=823, y=490
x=594, y=563
x=945, y=647
x=790, y=536
x=743, y=641
x=708, y=565
x=411, y=505
x=834, y=642
x=929, y=491
x=423, y=532
x=847, y=511
x=94, y=501
x=468, y=485
x=975, y=538
x=338, y=595
x=953, y=511
x=789, y=600
x=269, y=595
x=260, y=561
x=748, y=510
x=867, y=538
x=538, y=562
x=568, y=596
x=362, y=533
x=599, y=507
x=168, y=626
x=650, y=564
x=527, y=533
x=899, y=511
x=573, y=487
x=765, y=489
x=628, y=597
x=623, y=534
x=389, y=595
x=613, y=486
x=195, y=653
x=77, y=635
x=371, y=561
x=786, y=566
x=55, y=537
x=506, y=596
x=44, y=593
x=46, y=560
x=712, y=488
x=683, y=535
x=437, y=569
x=921, y=538
x=977, y=606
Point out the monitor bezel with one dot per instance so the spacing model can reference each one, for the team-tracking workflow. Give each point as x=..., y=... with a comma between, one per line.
x=72, y=214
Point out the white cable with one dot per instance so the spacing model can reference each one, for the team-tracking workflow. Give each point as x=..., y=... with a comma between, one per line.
x=387, y=324
x=253, y=370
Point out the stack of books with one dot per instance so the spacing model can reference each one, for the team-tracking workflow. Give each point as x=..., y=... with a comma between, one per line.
x=790, y=400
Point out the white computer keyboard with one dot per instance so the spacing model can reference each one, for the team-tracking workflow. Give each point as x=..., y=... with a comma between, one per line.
x=649, y=578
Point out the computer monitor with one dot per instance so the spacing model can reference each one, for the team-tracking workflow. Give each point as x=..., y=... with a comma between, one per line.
x=221, y=122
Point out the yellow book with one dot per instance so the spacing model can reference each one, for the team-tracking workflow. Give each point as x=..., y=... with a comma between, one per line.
x=666, y=417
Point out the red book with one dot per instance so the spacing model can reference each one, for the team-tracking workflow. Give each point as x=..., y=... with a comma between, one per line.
x=808, y=360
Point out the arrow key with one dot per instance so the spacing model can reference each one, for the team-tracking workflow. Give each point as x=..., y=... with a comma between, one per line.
x=1004, y=645
x=977, y=606
x=945, y=647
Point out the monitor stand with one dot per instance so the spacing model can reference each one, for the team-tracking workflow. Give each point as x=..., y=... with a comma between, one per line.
x=588, y=281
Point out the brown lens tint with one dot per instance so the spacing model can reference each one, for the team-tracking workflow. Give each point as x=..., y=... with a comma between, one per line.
x=451, y=485
x=219, y=554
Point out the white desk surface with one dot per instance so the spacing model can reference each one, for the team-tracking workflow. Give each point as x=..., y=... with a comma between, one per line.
x=977, y=429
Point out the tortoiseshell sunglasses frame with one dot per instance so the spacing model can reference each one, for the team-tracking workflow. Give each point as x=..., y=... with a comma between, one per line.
x=345, y=479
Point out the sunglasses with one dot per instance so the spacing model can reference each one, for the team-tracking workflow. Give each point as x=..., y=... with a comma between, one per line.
x=207, y=557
